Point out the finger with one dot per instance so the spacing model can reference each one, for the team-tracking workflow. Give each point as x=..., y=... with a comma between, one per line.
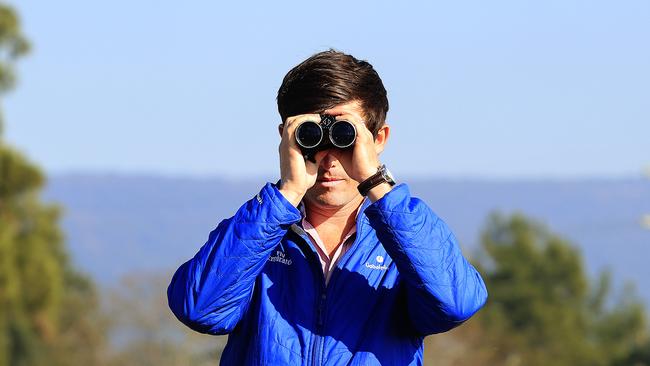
x=313, y=167
x=355, y=120
x=291, y=124
x=318, y=157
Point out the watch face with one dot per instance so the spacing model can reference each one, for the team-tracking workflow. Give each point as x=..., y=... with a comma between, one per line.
x=387, y=175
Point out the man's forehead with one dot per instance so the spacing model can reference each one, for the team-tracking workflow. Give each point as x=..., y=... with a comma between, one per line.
x=353, y=107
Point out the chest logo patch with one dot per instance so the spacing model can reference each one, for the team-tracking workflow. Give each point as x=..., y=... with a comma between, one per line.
x=281, y=258
x=378, y=265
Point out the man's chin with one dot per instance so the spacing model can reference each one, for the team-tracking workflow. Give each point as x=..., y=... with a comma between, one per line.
x=324, y=198
x=328, y=197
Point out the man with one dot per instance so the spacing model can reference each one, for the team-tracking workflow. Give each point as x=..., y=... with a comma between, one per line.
x=334, y=264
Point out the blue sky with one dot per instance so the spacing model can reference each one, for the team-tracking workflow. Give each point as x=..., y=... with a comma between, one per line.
x=516, y=89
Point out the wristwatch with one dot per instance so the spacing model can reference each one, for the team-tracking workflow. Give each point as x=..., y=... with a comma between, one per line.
x=382, y=175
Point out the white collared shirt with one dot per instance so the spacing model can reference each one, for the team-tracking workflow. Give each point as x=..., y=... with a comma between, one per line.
x=328, y=263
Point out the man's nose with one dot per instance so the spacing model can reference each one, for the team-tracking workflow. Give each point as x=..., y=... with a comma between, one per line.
x=330, y=159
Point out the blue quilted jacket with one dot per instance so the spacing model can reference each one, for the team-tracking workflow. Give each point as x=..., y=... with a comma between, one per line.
x=258, y=278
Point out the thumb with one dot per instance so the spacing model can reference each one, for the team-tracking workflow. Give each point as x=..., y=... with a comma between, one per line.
x=319, y=157
x=312, y=168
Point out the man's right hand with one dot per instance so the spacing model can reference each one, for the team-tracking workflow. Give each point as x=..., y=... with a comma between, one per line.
x=297, y=175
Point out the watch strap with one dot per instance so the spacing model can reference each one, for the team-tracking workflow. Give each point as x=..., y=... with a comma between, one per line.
x=373, y=181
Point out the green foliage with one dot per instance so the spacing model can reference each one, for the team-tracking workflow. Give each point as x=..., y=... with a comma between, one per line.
x=13, y=45
x=638, y=356
x=30, y=274
x=44, y=303
x=45, y=306
x=542, y=308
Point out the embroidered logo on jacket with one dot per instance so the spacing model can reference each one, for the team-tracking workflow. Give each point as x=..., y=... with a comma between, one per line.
x=378, y=266
x=280, y=257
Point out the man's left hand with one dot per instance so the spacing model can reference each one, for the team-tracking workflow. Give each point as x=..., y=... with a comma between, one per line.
x=364, y=160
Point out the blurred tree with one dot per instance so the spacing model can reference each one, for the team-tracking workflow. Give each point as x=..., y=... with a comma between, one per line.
x=45, y=306
x=539, y=289
x=542, y=308
x=13, y=45
x=639, y=356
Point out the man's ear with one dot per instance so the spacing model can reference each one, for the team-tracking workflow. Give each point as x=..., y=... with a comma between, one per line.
x=281, y=129
x=382, y=138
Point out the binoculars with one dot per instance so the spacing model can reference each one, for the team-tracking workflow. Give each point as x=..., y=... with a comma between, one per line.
x=313, y=137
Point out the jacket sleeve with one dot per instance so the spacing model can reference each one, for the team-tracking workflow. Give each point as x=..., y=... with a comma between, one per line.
x=443, y=288
x=210, y=292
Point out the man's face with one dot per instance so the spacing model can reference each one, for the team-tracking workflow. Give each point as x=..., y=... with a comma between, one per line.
x=334, y=188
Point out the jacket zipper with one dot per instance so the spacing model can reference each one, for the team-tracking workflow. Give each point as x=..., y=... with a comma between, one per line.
x=319, y=340
x=320, y=298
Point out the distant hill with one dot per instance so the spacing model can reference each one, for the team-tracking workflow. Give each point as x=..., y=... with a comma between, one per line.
x=117, y=224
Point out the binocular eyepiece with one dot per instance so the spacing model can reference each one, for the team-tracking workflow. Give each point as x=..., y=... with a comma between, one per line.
x=313, y=137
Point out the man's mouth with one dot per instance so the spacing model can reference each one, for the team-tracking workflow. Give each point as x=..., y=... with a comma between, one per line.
x=330, y=181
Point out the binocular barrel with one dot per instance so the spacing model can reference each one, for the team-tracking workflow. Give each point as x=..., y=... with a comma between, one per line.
x=312, y=136
x=329, y=131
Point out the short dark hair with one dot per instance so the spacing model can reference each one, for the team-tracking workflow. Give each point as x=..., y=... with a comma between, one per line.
x=329, y=78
